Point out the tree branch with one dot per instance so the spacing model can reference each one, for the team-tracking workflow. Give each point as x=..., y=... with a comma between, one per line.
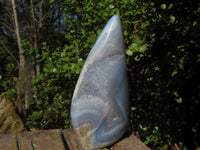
x=9, y=52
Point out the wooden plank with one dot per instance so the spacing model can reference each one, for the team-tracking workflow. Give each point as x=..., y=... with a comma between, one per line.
x=47, y=140
x=24, y=141
x=57, y=139
x=8, y=142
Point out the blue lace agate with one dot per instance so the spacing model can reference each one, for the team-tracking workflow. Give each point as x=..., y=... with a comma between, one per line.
x=100, y=104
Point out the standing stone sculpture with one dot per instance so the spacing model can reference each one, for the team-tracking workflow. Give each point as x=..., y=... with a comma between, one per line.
x=100, y=104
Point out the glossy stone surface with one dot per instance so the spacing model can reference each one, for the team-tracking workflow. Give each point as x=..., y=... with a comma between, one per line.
x=100, y=104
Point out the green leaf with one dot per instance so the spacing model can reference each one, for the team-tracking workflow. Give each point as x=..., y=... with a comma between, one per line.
x=150, y=79
x=142, y=48
x=170, y=6
x=37, y=56
x=129, y=52
x=175, y=94
x=137, y=58
x=111, y=6
x=163, y=6
x=36, y=115
x=125, y=33
x=156, y=68
x=51, y=1
x=133, y=108
x=156, y=128
x=179, y=100
x=174, y=73
x=172, y=18
x=194, y=23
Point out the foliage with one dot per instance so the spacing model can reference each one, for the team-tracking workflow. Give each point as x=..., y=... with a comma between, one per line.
x=162, y=47
x=8, y=70
x=8, y=82
x=157, y=77
x=54, y=88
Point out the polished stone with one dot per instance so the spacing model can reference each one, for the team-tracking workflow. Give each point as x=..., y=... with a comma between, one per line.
x=100, y=104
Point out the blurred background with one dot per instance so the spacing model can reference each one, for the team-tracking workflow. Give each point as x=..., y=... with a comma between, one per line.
x=43, y=46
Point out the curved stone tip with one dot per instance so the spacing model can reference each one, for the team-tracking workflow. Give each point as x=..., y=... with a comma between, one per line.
x=110, y=41
x=115, y=19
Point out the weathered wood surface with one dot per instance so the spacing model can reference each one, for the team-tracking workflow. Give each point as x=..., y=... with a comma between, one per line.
x=57, y=139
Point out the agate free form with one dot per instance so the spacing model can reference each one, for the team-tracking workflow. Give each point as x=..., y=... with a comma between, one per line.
x=100, y=105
